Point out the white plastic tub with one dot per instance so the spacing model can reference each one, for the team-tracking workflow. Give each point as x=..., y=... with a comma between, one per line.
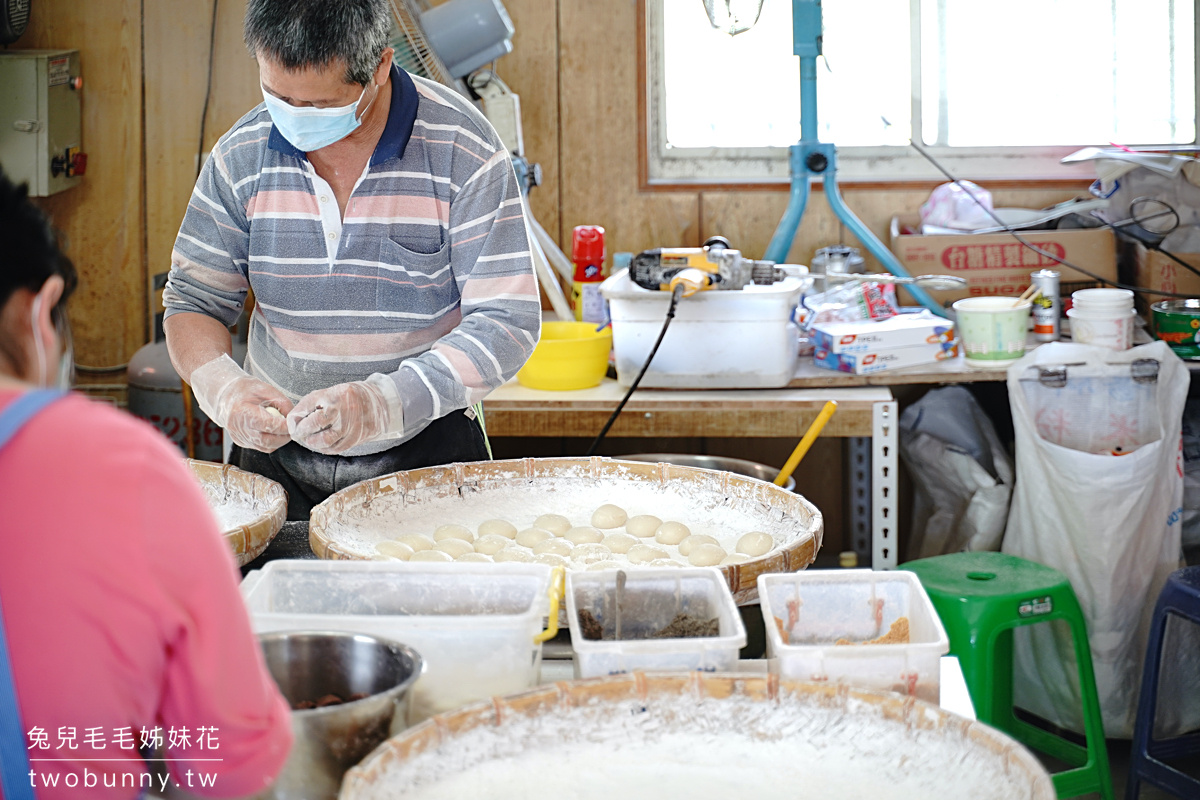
x=651, y=599
x=473, y=624
x=1111, y=328
x=858, y=605
x=718, y=339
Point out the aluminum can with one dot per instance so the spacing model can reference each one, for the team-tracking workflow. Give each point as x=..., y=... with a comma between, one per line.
x=1047, y=306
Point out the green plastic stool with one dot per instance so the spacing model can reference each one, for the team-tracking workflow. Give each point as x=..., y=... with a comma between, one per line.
x=981, y=598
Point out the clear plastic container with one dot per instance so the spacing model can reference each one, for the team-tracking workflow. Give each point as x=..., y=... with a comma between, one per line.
x=651, y=600
x=718, y=339
x=473, y=624
x=821, y=607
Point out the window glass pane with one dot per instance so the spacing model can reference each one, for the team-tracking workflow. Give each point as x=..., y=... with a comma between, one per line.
x=744, y=91
x=1057, y=72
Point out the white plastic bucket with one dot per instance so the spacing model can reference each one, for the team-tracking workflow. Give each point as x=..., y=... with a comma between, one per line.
x=1109, y=328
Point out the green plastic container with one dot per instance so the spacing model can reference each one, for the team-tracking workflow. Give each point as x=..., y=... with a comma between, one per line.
x=1177, y=322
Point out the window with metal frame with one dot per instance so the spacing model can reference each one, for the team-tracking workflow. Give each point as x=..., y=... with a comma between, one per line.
x=995, y=91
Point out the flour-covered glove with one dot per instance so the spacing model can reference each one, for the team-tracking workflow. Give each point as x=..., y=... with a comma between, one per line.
x=333, y=420
x=251, y=411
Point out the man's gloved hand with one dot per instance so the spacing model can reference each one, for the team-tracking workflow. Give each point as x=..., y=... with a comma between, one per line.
x=240, y=403
x=333, y=420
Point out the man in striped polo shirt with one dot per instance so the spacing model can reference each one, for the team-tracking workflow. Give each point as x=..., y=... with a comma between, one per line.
x=377, y=218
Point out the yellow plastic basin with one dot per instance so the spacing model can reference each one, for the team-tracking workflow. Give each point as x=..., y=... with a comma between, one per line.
x=570, y=355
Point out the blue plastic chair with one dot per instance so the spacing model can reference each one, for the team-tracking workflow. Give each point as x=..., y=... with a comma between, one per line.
x=1180, y=596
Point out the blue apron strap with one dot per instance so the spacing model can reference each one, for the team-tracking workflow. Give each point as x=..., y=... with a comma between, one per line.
x=14, y=758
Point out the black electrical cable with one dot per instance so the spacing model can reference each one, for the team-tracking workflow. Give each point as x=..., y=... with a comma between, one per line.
x=1012, y=232
x=676, y=294
x=212, y=49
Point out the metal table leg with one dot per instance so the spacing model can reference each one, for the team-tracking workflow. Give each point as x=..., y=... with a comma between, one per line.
x=884, y=453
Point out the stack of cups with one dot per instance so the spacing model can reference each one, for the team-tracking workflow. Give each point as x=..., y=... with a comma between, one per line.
x=1102, y=317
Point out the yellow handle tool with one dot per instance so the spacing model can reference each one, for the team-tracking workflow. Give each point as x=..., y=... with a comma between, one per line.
x=558, y=588
x=806, y=442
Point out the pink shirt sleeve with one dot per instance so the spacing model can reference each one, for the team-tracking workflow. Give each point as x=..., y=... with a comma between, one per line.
x=214, y=676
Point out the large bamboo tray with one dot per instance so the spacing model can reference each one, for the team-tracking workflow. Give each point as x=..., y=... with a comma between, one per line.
x=861, y=720
x=425, y=485
x=247, y=541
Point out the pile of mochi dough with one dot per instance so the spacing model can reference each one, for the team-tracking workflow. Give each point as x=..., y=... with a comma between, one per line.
x=611, y=539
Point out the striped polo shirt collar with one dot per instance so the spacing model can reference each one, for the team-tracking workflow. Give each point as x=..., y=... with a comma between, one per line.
x=401, y=118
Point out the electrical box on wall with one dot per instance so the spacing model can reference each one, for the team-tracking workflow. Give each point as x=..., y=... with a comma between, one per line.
x=40, y=142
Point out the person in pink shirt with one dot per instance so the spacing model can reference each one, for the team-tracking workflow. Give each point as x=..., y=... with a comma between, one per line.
x=124, y=627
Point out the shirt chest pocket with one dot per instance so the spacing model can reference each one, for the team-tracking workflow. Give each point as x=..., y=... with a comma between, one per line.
x=415, y=283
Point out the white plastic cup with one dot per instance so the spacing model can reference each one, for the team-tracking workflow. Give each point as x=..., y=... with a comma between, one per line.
x=1099, y=300
x=992, y=330
x=1111, y=328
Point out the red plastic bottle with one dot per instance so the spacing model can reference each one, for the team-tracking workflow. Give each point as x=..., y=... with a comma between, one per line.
x=587, y=251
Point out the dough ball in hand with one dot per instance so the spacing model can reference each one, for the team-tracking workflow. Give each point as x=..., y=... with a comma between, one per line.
x=609, y=516
x=499, y=527
x=555, y=523
x=671, y=533
x=755, y=543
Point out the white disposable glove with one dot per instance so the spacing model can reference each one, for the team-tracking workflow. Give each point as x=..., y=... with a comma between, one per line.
x=240, y=403
x=333, y=420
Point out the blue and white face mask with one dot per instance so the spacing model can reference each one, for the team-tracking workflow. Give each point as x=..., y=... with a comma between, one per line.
x=311, y=129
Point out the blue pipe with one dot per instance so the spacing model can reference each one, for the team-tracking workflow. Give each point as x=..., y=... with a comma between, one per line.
x=785, y=232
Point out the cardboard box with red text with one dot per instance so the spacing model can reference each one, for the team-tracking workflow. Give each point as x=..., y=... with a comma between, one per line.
x=1153, y=270
x=997, y=264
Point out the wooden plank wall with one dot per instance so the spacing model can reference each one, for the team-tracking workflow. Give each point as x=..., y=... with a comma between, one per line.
x=177, y=59
x=101, y=219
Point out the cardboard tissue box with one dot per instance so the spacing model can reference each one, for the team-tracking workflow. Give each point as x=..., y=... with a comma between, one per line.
x=902, y=330
x=885, y=358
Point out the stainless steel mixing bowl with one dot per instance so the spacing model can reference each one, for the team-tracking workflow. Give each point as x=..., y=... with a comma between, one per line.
x=737, y=466
x=308, y=665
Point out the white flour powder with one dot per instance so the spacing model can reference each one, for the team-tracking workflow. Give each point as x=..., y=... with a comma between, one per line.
x=574, y=495
x=718, y=749
x=231, y=507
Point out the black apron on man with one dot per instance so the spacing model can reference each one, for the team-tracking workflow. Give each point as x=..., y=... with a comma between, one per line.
x=309, y=477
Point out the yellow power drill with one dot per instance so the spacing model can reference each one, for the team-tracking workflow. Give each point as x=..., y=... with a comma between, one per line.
x=714, y=266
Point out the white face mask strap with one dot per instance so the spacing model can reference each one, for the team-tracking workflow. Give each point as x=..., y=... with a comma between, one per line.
x=43, y=367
